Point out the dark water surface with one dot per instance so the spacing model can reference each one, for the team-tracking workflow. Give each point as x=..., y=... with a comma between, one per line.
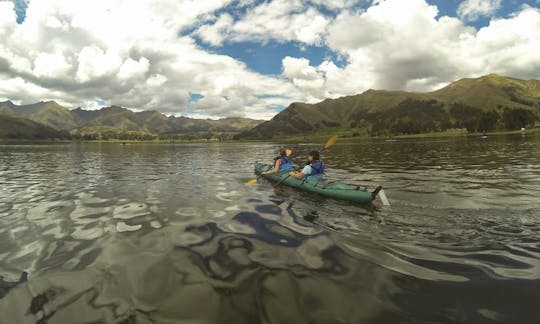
x=158, y=233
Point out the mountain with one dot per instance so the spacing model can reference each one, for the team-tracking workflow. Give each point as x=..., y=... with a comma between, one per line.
x=116, y=116
x=84, y=115
x=48, y=113
x=122, y=123
x=487, y=103
x=477, y=104
x=12, y=127
x=491, y=91
x=7, y=107
x=234, y=124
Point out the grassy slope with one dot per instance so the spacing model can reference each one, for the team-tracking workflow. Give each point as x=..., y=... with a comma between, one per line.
x=12, y=127
x=490, y=91
x=348, y=115
x=48, y=113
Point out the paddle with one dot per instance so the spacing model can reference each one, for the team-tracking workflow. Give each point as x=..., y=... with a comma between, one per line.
x=288, y=152
x=329, y=143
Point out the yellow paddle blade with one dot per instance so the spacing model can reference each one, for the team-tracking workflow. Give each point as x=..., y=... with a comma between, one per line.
x=330, y=141
x=288, y=152
x=252, y=181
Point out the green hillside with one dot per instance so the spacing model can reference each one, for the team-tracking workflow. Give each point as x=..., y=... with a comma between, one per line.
x=12, y=127
x=116, y=117
x=49, y=113
x=482, y=104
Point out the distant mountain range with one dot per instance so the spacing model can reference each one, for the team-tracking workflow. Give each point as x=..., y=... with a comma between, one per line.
x=487, y=103
x=50, y=120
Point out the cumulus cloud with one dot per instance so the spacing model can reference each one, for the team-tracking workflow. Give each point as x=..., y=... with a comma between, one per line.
x=75, y=51
x=51, y=65
x=473, y=9
x=394, y=43
x=510, y=46
x=7, y=15
x=133, y=69
x=216, y=33
x=299, y=68
x=306, y=77
x=280, y=20
x=404, y=45
x=95, y=63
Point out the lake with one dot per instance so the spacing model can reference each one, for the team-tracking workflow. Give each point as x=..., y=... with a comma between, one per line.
x=164, y=233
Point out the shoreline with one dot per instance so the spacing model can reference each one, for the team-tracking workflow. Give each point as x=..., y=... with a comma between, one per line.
x=344, y=136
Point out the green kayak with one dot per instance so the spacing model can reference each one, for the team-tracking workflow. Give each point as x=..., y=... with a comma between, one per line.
x=332, y=189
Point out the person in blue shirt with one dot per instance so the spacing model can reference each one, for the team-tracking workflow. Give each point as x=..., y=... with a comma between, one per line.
x=314, y=168
x=282, y=163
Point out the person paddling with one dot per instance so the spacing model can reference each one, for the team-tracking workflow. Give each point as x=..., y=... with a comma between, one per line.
x=314, y=168
x=282, y=163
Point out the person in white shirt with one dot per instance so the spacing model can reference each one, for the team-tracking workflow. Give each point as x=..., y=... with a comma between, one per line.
x=314, y=169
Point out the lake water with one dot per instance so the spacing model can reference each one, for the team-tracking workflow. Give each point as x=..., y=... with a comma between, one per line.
x=159, y=233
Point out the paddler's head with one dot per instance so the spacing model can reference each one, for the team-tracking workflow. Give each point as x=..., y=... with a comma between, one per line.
x=313, y=156
x=281, y=153
x=285, y=152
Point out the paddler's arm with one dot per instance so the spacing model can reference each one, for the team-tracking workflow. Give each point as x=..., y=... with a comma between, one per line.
x=276, y=167
x=297, y=174
x=301, y=174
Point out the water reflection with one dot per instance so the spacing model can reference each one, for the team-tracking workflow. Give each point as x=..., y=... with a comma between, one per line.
x=163, y=233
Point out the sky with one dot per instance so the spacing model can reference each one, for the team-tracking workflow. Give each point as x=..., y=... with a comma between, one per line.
x=247, y=58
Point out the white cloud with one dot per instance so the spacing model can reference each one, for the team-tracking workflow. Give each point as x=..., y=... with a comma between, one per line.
x=21, y=91
x=298, y=68
x=473, y=9
x=142, y=54
x=395, y=42
x=281, y=20
x=137, y=60
x=323, y=81
x=95, y=63
x=91, y=105
x=156, y=80
x=400, y=46
x=7, y=16
x=216, y=33
x=510, y=46
x=51, y=65
x=133, y=69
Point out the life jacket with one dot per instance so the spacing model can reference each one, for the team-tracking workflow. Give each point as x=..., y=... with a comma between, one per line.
x=285, y=160
x=286, y=164
x=317, y=170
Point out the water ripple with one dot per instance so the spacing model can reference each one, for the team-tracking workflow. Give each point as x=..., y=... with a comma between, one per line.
x=112, y=233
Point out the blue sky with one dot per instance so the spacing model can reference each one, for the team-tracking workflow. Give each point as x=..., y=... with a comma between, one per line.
x=219, y=58
x=266, y=58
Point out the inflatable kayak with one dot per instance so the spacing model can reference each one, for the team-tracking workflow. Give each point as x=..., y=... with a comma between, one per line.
x=332, y=189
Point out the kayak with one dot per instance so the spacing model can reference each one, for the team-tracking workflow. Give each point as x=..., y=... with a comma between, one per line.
x=331, y=189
